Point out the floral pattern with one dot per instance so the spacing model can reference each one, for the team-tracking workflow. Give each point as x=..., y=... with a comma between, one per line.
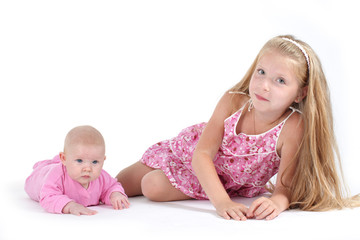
x=244, y=163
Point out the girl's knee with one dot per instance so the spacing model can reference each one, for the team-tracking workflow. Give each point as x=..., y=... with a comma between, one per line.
x=153, y=185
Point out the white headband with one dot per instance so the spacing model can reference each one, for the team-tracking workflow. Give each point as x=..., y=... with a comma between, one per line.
x=301, y=48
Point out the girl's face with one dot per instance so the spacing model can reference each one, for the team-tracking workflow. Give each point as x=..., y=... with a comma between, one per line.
x=274, y=85
x=83, y=162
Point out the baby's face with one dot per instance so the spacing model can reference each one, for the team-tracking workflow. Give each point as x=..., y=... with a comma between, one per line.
x=84, y=162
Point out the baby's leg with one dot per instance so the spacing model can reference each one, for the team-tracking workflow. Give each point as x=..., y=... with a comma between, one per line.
x=130, y=178
x=157, y=187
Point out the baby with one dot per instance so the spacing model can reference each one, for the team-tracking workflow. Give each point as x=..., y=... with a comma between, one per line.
x=74, y=179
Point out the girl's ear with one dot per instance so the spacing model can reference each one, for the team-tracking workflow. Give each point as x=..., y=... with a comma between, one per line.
x=302, y=94
x=62, y=157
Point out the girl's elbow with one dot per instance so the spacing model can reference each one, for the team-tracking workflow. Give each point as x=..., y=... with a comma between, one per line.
x=194, y=161
x=199, y=158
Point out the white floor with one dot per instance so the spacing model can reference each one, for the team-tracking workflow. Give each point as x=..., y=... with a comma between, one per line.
x=140, y=71
x=23, y=218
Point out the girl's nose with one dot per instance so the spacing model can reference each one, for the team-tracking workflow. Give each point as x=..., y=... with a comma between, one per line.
x=266, y=85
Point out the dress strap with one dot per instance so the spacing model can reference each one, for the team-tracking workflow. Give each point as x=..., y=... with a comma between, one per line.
x=296, y=110
x=293, y=110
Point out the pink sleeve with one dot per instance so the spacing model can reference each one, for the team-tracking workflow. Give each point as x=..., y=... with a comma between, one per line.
x=110, y=185
x=52, y=197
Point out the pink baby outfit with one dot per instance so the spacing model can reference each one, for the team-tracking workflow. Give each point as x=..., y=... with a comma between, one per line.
x=50, y=185
x=244, y=163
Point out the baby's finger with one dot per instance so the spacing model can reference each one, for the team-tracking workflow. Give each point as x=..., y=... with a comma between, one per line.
x=126, y=203
x=120, y=204
x=76, y=213
x=87, y=211
x=116, y=204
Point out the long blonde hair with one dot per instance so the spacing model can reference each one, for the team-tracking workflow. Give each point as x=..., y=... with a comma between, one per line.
x=317, y=183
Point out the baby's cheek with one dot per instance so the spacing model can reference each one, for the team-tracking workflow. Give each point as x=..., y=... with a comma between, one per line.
x=97, y=173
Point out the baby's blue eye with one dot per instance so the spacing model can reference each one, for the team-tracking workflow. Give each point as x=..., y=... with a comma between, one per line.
x=95, y=162
x=79, y=160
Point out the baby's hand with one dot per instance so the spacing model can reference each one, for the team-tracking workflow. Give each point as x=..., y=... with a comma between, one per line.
x=77, y=209
x=118, y=201
x=263, y=208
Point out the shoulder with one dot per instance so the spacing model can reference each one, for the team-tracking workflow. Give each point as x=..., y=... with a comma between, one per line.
x=227, y=105
x=48, y=169
x=294, y=123
x=56, y=173
x=238, y=100
x=231, y=102
x=53, y=181
x=105, y=178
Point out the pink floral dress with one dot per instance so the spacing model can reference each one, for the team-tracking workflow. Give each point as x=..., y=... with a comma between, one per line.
x=244, y=163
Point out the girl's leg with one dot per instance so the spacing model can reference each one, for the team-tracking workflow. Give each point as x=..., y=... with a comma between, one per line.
x=139, y=179
x=130, y=178
x=157, y=187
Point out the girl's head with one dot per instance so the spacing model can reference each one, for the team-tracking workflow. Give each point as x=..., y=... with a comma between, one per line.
x=315, y=183
x=84, y=154
x=302, y=60
x=275, y=84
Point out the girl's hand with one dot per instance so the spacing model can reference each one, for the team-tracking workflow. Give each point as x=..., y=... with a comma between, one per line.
x=119, y=201
x=232, y=210
x=77, y=209
x=263, y=208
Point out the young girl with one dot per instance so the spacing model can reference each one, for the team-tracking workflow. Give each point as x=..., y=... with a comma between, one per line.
x=277, y=119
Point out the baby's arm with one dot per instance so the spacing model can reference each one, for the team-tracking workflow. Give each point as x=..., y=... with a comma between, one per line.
x=113, y=193
x=55, y=201
x=77, y=209
x=269, y=208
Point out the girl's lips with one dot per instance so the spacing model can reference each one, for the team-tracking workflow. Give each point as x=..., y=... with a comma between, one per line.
x=261, y=98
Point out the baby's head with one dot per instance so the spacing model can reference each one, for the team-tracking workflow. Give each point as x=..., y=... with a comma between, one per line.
x=84, y=154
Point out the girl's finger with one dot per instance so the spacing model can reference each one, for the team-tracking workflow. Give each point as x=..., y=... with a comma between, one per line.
x=273, y=215
x=241, y=214
x=225, y=215
x=265, y=213
x=233, y=214
x=261, y=208
x=254, y=206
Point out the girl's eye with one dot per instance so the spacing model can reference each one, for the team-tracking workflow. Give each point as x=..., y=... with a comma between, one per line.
x=281, y=81
x=79, y=160
x=261, y=72
x=95, y=162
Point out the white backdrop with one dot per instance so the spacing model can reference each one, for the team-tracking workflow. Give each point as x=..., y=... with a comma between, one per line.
x=140, y=71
